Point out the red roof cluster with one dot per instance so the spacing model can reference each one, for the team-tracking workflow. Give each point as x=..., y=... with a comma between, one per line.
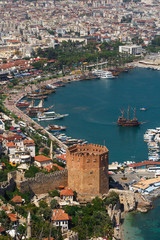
x=144, y=163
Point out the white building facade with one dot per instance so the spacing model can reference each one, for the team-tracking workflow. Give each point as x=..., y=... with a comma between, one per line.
x=131, y=49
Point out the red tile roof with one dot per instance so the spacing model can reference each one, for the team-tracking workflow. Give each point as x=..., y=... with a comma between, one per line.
x=144, y=163
x=12, y=216
x=28, y=142
x=59, y=215
x=62, y=156
x=10, y=144
x=67, y=192
x=52, y=165
x=41, y=158
x=56, y=165
x=17, y=199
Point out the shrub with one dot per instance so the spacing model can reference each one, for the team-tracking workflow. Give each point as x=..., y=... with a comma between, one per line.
x=113, y=198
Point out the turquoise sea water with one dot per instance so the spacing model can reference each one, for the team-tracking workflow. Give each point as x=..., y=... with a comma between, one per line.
x=143, y=226
x=94, y=107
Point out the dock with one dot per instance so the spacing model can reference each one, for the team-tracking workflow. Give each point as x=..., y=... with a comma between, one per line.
x=10, y=104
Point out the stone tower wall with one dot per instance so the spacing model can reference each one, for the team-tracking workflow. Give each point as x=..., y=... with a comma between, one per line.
x=88, y=169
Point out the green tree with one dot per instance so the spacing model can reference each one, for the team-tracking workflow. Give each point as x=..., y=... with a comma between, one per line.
x=31, y=172
x=4, y=219
x=54, y=193
x=54, y=204
x=43, y=204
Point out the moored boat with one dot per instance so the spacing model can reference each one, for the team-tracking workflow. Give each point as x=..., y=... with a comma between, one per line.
x=37, y=97
x=33, y=110
x=46, y=116
x=55, y=128
x=106, y=75
x=22, y=104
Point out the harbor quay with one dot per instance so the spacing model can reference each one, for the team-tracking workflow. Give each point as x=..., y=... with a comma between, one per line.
x=12, y=99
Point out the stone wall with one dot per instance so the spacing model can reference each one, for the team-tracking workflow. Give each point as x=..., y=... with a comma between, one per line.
x=43, y=183
x=8, y=186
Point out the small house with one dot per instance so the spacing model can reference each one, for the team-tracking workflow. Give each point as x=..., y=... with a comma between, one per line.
x=60, y=218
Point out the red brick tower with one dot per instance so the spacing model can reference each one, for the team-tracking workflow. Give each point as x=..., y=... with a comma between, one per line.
x=88, y=169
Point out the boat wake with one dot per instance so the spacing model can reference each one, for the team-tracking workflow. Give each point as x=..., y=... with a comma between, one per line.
x=91, y=120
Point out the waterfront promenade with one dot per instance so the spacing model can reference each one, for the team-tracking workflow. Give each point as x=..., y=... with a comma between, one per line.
x=13, y=98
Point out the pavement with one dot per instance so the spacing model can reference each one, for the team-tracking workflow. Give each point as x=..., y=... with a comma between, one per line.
x=130, y=177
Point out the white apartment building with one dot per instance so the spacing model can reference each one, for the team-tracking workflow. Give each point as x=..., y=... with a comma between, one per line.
x=131, y=49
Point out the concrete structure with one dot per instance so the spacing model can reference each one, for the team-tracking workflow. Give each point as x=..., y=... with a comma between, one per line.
x=29, y=232
x=131, y=49
x=2, y=126
x=19, y=156
x=88, y=170
x=146, y=186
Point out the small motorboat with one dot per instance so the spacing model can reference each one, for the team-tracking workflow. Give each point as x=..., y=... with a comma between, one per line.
x=143, y=108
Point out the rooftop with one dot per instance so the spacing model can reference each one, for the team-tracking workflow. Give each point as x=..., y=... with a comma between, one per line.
x=59, y=215
x=41, y=158
x=67, y=192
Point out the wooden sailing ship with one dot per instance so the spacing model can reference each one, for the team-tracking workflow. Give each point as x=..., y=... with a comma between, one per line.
x=122, y=121
x=33, y=110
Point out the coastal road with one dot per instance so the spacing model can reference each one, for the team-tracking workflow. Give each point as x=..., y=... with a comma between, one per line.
x=10, y=104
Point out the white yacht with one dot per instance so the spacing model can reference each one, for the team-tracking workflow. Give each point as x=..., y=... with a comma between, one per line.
x=97, y=72
x=102, y=74
x=50, y=116
x=106, y=74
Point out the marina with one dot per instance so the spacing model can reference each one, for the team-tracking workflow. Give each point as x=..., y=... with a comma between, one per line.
x=84, y=117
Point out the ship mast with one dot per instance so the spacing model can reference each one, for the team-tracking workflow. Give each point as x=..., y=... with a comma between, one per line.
x=128, y=113
x=134, y=117
x=122, y=112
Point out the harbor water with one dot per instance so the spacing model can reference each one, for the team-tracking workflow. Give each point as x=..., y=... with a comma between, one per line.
x=94, y=106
